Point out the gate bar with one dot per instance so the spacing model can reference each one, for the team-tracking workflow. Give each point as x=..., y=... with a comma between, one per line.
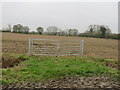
x=29, y=45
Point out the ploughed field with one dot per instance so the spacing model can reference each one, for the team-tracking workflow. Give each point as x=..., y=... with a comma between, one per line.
x=13, y=43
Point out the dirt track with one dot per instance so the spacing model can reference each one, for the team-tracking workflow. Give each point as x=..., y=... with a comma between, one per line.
x=18, y=44
x=70, y=82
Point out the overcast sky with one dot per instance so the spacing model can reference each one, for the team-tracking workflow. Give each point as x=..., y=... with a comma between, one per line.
x=64, y=15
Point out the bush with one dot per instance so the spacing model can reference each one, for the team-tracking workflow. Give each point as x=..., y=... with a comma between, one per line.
x=97, y=35
x=5, y=31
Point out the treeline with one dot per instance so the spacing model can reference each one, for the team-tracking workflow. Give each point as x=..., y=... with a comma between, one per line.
x=99, y=31
x=52, y=30
x=16, y=29
x=96, y=31
x=111, y=36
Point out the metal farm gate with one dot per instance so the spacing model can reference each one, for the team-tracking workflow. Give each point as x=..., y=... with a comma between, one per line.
x=50, y=47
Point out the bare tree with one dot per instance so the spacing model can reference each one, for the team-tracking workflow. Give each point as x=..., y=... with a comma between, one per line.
x=9, y=27
x=98, y=30
x=18, y=28
x=25, y=29
x=52, y=30
x=104, y=30
x=73, y=32
x=40, y=30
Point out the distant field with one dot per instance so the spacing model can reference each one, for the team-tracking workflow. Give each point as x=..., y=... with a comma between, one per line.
x=18, y=44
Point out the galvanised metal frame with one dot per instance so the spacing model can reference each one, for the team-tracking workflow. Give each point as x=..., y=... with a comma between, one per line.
x=57, y=47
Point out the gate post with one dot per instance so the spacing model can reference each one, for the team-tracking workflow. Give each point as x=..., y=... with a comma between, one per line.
x=82, y=46
x=58, y=45
x=29, y=47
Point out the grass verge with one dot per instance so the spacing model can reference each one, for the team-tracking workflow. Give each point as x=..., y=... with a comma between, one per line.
x=44, y=68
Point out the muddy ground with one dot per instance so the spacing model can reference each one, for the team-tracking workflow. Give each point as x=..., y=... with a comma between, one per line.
x=11, y=61
x=70, y=82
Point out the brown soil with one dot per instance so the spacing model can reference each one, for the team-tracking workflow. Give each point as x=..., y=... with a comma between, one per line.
x=11, y=61
x=112, y=65
x=18, y=44
x=70, y=82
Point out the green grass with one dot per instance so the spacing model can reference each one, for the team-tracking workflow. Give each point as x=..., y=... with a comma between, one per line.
x=44, y=68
